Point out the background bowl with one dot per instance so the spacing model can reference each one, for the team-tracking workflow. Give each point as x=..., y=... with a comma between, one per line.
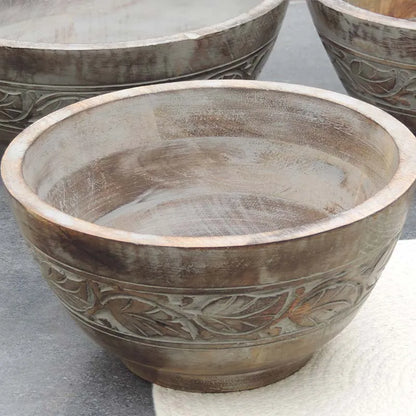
x=230, y=231
x=55, y=52
x=372, y=47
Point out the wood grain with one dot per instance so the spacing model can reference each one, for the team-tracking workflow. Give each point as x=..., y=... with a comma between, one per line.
x=403, y=9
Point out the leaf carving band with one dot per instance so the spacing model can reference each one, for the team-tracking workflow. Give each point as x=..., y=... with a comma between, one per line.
x=216, y=317
x=386, y=85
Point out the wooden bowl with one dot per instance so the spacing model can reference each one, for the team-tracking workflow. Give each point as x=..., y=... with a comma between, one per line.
x=215, y=234
x=56, y=52
x=372, y=46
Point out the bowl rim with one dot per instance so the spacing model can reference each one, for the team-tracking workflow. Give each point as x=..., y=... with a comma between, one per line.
x=262, y=7
x=400, y=183
x=364, y=14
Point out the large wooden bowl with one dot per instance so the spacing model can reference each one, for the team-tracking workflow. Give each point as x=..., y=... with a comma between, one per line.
x=372, y=46
x=56, y=52
x=215, y=234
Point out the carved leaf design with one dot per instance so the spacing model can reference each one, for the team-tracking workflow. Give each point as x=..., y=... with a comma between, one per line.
x=324, y=302
x=411, y=85
x=239, y=314
x=8, y=104
x=74, y=292
x=235, y=74
x=145, y=317
x=372, y=270
x=375, y=80
x=247, y=68
x=380, y=84
x=19, y=106
x=214, y=318
x=52, y=102
x=15, y=106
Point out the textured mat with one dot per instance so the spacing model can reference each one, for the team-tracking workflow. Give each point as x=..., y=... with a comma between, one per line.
x=369, y=369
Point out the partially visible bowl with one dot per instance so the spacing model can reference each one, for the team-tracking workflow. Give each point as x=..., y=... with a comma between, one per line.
x=372, y=46
x=56, y=52
x=213, y=234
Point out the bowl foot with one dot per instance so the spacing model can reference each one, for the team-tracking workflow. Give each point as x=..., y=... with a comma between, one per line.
x=214, y=383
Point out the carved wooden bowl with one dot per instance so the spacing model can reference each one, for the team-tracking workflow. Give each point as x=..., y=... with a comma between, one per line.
x=372, y=46
x=56, y=52
x=215, y=234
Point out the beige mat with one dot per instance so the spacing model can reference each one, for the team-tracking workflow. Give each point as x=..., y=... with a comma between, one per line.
x=369, y=369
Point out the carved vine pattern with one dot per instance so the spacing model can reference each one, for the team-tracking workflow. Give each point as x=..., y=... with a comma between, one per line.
x=215, y=317
x=22, y=104
x=379, y=83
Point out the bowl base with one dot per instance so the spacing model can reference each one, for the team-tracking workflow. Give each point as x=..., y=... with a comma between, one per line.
x=214, y=383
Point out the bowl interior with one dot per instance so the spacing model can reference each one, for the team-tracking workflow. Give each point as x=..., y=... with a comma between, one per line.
x=403, y=9
x=210, y=162
x=106, y=21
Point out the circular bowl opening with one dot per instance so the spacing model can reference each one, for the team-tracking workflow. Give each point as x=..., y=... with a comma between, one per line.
x=61, y=24
x=218, y=163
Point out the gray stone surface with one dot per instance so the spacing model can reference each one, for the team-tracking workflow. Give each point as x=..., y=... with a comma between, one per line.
x=48, y=367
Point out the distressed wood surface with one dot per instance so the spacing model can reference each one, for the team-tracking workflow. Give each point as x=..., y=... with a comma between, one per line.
x=54, y=52
x=373, y=53
x=213, y=235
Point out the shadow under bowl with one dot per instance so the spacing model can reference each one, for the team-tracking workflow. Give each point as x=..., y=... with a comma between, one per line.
x=213, y=235
x=56, y=52
x=371, y=45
